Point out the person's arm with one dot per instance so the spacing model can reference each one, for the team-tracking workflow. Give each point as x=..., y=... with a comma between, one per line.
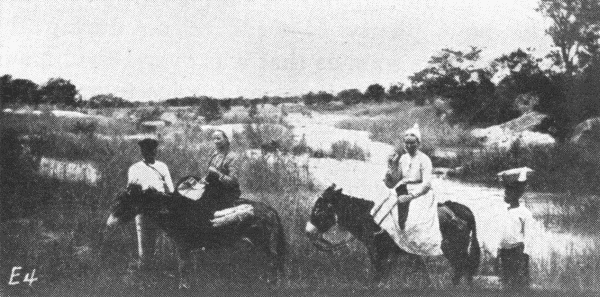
x=168, y=180
x=393, y=173
x=230, y=179
x=426, y=176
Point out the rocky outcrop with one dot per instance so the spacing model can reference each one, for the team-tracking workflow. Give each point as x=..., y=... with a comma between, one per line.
x=586, y=135
x=521, y=129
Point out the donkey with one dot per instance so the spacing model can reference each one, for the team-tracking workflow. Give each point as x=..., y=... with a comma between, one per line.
x=187, y=223
x=457, y=225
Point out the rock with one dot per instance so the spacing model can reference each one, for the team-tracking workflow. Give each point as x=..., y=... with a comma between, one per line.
x=504, y=135
x=588, y=130
x=69, y=114
x=586, y=135
x=526, y=102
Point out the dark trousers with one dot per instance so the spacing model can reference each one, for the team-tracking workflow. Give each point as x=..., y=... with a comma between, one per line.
x=146, y=235
x=514, y=266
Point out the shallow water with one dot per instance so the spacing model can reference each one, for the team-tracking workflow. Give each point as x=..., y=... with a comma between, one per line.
x=364, y=179
x=69, y=170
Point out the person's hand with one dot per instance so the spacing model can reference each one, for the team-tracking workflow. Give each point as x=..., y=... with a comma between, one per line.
x=212, y=169
x=405, y=198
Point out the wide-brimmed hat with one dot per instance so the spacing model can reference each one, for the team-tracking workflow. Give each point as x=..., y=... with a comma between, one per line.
x=515, y=175
x=148, y=143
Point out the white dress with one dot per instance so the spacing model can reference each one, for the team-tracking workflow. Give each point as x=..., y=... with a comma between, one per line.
x=421, y=234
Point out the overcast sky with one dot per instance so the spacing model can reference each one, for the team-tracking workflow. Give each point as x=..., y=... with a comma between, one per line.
x=152, y=50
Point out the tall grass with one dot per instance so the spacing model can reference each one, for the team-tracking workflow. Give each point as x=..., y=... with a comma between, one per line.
x=387, y=123
x=559, y=169
x=61, y=239
x=345, y=150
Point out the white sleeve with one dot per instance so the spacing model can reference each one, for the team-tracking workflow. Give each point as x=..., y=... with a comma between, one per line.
x=168, y=180
x=426, y=176
x=131, y=175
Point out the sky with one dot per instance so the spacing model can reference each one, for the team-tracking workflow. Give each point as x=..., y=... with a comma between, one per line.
x=155, y=50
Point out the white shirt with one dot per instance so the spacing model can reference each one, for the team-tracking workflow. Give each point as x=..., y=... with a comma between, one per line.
x=517, y=225
x=155, y=176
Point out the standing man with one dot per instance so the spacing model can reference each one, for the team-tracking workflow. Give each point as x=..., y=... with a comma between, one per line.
x=149, y=174
x=514, y=262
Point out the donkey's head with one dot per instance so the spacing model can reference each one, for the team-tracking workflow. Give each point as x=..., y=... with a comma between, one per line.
x=126, y=206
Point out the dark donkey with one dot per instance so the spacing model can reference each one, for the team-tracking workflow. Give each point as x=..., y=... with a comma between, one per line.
x=457, y=225
x=187, y=223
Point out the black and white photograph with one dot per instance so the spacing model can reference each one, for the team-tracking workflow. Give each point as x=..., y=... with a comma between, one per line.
x=300, y=148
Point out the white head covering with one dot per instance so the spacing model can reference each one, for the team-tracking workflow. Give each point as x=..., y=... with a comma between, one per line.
x=414, y=131
x=228, y=134
x=514, y=175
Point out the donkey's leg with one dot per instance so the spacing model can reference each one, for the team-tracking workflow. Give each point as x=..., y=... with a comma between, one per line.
x=421, y=266
x=455, y=250
x=185, y=264
x=273, y=252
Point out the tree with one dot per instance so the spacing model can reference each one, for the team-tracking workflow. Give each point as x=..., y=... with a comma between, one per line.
x=448, y=70
x=524, y=76
x=517, y=62
x=323, y=97
x=25, y=91
x=253, y=111
x=350, y=96
x=59, y=91
x=375, y=92
x=309, y=99
x=108, y=100
x=209, y=109
x=5, y=91
x=395, y=92
x=575, y=31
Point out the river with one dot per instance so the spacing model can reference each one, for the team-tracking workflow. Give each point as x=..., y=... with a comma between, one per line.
x=364, y=179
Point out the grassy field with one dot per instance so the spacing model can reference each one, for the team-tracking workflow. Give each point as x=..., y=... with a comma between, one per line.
x=56, y=227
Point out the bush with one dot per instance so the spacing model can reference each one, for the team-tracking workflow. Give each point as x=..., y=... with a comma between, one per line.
x=560, y=168
x=345, y=150
x=87, y=128
x=273, y=173
x=209, y=109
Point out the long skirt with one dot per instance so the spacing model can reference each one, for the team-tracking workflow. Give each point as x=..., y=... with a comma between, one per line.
x=421, y=234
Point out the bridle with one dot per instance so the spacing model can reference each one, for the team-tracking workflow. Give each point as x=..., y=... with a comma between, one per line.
x=322, y=244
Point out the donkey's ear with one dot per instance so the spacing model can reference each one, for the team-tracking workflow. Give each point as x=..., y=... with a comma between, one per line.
x=339, y=191
x=332, y=187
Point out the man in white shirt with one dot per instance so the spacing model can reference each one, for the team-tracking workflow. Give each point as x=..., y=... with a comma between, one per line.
x=150, y=174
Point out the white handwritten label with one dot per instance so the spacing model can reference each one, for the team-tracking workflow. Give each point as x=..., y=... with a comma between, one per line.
x=15, y=276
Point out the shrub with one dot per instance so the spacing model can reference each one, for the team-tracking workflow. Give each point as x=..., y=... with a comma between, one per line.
x=560, y=168
x=273, y=173
x=345, y=150
x=87, y=128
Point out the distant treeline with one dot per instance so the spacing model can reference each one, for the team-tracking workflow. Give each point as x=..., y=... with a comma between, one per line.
x=477, y=93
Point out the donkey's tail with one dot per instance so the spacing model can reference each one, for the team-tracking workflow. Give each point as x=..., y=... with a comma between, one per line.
x=474, y=252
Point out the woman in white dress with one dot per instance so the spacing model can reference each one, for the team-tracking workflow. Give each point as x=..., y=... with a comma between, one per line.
x=418, y=232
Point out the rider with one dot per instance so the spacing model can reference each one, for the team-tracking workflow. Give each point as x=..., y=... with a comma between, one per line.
x=149, y=174
x=222, y=182
x=419, y=232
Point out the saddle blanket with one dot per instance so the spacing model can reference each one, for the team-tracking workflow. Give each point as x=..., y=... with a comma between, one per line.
x=232, y=215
